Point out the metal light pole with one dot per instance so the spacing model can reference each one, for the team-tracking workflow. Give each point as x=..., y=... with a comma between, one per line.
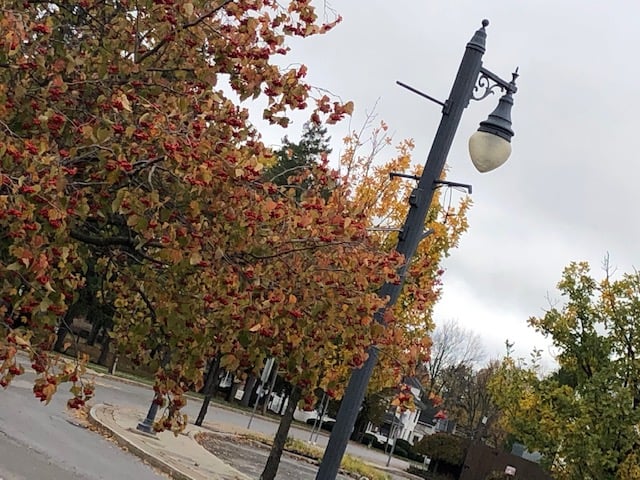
x=146, y=425
x=489, y=148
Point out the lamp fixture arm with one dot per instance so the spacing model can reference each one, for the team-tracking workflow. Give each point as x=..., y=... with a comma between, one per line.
x=489, y=81
x=504, y=85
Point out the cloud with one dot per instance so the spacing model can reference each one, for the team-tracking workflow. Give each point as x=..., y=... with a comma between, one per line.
x=570, y=189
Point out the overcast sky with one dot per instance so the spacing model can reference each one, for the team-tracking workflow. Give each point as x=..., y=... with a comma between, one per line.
x=569, y=190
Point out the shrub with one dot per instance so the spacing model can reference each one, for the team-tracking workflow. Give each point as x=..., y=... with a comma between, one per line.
x=368, y=439
x=443, y=447
x=416, y=457
x=402, y=443
x=401, y=452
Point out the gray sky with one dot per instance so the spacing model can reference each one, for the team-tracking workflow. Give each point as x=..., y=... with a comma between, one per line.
x=568, y=191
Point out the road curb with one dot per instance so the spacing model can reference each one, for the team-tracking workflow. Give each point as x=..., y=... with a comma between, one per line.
x=156, y=462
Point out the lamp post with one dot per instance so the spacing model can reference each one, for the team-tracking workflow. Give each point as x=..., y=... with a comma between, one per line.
x=489, y=148
x=146, y=425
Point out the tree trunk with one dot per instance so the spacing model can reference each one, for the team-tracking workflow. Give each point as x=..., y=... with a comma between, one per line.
x=63, y=329
x=96, y=326
x=271, y=468
x=231, y=395
x=272, y=383
x=65, y=326
x=104, y=352
x=114, y=363
x=282, y=401
x=210, y=387
x=249, y=387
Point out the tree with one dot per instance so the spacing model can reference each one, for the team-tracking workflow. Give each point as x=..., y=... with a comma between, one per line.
x=291, y=158
x=446, y=451
x=453, y=348
x=582, y=418
x=383, y=199
x=468, y=401
x=117, y=146
x=368, y=191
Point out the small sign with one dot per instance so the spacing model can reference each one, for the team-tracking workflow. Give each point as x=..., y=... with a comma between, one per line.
x=510, y=470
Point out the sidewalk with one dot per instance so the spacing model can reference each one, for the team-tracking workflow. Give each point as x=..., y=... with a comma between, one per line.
x=182, y=457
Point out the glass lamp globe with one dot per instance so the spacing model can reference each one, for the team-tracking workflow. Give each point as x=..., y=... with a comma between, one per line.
x=488, y=151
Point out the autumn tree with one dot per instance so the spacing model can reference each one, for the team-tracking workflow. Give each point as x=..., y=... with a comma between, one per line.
x=367, y=165
x=369, y=190
x=118, y=146
x=122, y=149
x=583, y=418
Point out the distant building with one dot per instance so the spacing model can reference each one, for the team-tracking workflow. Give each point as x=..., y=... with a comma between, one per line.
x=521, y=451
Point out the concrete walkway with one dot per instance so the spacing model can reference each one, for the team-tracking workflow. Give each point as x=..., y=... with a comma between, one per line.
x=182, y=457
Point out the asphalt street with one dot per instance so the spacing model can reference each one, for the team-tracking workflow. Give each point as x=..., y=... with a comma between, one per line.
x=37, y=438
x=47, y=442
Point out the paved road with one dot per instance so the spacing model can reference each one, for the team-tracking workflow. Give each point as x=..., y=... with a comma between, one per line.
x=116, y=393
x=45, y=442
x=55, y=441
x=21, y=462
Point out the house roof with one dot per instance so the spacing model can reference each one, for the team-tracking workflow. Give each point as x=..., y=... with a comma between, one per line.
x=391, y=418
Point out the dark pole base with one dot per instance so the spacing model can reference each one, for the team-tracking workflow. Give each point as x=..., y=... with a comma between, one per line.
x=146, y=425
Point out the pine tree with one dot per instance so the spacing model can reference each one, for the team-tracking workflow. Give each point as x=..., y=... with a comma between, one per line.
x=295, y=158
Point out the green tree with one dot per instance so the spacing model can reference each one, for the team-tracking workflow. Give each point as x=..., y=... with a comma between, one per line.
x=293, y=158
x=446, y=451
x=583, y=418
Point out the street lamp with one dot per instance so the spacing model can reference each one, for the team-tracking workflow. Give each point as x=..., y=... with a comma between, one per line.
x=489, y=148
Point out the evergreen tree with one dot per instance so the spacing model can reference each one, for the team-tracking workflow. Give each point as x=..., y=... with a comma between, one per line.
x=294, y=159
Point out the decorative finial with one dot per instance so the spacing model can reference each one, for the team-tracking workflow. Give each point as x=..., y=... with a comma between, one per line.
x=485, y=23
x=515, y=75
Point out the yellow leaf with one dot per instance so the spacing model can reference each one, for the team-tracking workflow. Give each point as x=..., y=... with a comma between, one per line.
x=22, y=342
x=188, y=9
x=292, y=299
x=103, y=134
x=255, y=328
x=125, y=102
x=348, y=108
x=48, y=391
x=132, y=221
x=195, y=258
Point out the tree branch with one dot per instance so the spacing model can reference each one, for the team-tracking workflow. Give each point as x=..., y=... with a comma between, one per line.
x=102, y=241
x=185, y=26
